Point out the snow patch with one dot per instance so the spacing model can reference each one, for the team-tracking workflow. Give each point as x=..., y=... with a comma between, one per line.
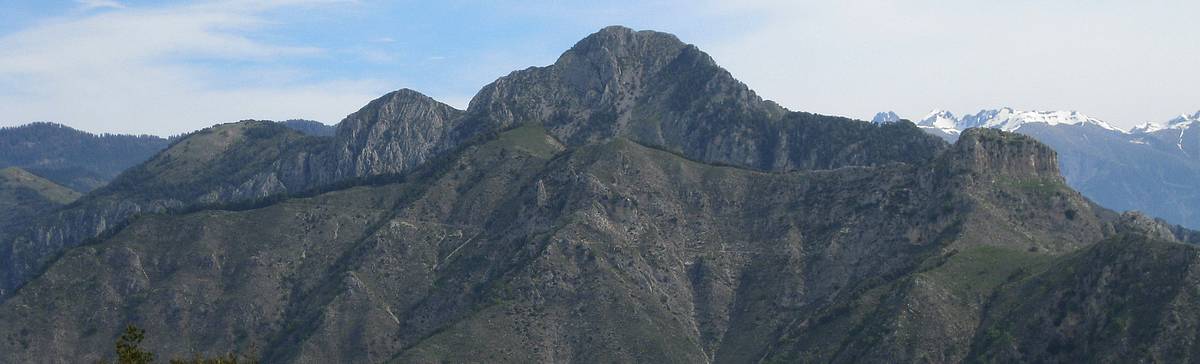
x=1008, y=119
x=941, y=120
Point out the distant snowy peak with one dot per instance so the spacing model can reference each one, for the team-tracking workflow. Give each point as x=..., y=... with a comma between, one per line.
x=1008, y=119
x=885, y=118
x=1149, y=127
x=942, y=120
x=1183, y=121
x=1005, y=118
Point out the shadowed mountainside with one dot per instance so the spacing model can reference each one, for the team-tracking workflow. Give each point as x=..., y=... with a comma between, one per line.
x=631, y=202
x=79, y=160
x=645, y=86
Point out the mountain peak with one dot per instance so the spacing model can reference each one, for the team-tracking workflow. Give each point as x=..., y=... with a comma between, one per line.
x=393, y=133
x=1147, y=127
x=940, y=119
x=1009, y=119
x=619, y=48
x=1184, y=119
x=617, y=35
x=885, y=118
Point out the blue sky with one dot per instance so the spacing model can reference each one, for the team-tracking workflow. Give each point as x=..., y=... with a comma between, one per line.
x=166, y=67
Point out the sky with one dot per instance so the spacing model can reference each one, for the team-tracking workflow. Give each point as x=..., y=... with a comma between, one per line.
x=169, y=67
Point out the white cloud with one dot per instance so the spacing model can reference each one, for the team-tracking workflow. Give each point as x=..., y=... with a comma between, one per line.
x=86, y=5
x=128, y=70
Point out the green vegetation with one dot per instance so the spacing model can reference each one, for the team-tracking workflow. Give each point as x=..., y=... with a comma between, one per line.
x=76, y=159
x=976, y=271
x=14, y=178
x=531, y=139
x=129, y=347
x=1038, y=187
x=129, y=351
x=24, y=195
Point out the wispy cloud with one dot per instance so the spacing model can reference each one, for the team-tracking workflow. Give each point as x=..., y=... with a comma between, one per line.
x=86, y=5
x=144, y=70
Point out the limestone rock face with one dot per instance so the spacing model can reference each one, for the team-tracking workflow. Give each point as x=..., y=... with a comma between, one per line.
x=629, y=203
x=393, y=134
x=618, y=83
x=995, y=153
x=1139, y=223
x=654, y=89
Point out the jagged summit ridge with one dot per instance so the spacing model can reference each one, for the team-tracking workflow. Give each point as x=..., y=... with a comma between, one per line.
x=658, y=91
x=1183, y=121
x=885, y=117
x=942, y=120
x=644, y=86
x=616, y=206
x=393, y=133
x=1007, y=119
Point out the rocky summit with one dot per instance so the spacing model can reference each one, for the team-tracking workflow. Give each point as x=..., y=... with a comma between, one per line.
x=632, y=202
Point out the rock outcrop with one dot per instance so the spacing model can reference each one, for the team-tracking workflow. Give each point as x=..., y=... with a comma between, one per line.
x=618, y=83
x=630, y=203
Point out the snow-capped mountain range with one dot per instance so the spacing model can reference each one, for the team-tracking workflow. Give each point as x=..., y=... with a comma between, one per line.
x=1154, y=167
x=1005, y=118
x=1183, y=121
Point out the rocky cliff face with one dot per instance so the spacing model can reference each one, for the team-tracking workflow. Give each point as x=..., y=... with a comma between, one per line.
x=525, y=249
x=393, y=134
x=220, y=164
x=992, y=153
x=630, y=202
x=653, y=89
x=645, y=86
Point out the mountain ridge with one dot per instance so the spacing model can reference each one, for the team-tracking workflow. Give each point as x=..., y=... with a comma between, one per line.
x=633, y=203
x=599, y=89
x=618, y=172
x=77, y=159
x=23, y=195
x=1148, y=168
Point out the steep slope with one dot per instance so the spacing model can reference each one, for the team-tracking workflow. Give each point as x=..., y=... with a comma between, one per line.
x=1152, y=168
x=1127, y=172
x=1130, y=298
x=79, y=160
x=645, y=86
x=1180, y=134
x=395, y=133
x=525, y=249
x=24, y=195
x=611, y=214
x=653, y=89
x=215, y=165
